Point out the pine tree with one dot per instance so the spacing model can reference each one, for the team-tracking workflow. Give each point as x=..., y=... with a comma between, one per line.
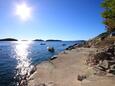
x=109, y=14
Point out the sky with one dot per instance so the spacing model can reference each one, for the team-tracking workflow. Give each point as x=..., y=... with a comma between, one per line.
x=50, y=19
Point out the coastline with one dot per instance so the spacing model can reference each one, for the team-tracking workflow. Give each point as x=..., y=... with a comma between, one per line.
x=64, y=71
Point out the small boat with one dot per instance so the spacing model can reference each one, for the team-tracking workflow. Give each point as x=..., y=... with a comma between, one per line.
x=51, y=49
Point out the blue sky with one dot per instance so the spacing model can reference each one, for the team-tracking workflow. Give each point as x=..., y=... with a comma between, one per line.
x=52, y=19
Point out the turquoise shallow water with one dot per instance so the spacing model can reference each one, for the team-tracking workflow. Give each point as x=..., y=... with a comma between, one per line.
x=17, y=58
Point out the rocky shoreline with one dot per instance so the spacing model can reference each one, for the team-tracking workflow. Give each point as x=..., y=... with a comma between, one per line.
x=23, y=80
x=103, y=60
x=77, y=66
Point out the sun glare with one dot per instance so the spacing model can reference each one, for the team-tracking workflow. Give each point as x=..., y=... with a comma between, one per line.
x=23, y=11
x=22, y=51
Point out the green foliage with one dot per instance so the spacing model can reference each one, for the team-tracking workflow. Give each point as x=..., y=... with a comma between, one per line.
x=109, y=14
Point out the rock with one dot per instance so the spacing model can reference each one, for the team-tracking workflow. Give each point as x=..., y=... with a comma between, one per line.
x=111, y=50
x=104, y=64
x=81, y=77
x=99, y=71
x=112, y=58
x=103, y=60
x=111, y=71
x=112, y=67
x=101, y=56
x=32, y=69
x=100, y=68
x=53, y=57
x=70, y=47
x=23, y=83
x=111, y=62
x=91, y=60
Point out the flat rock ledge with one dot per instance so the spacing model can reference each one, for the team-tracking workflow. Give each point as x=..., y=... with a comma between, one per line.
x=70, y=69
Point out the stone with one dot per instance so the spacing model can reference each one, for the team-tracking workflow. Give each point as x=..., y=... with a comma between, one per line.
x=23, y=83
x=111, y=50
x=81, y=77
x=100, y=68
x=99, y=71
x=32, y=69
x=53, y=57
x=111, y=62
x=112, y=67
x=104, y=64
x=111, y=71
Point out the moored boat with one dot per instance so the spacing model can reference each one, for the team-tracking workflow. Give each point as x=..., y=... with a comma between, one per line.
x=51, y=49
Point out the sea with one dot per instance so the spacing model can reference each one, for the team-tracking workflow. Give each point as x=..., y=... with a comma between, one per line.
x=17, y=58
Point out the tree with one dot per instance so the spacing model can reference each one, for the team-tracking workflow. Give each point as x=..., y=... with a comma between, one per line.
x=109, y=14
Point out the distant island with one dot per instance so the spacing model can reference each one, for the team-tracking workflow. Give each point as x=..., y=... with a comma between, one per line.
x=53, y=40
x=38, y=40
x=8, y=39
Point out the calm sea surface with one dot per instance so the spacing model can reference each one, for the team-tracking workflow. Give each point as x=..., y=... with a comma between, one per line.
x=17, y=58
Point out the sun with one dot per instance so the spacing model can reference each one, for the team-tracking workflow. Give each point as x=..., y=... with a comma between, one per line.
x=23, y=11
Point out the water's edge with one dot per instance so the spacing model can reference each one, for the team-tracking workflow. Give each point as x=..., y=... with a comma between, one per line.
x=50, y=59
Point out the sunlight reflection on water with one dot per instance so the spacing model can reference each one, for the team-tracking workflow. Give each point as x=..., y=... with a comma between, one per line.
x=23, y=61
